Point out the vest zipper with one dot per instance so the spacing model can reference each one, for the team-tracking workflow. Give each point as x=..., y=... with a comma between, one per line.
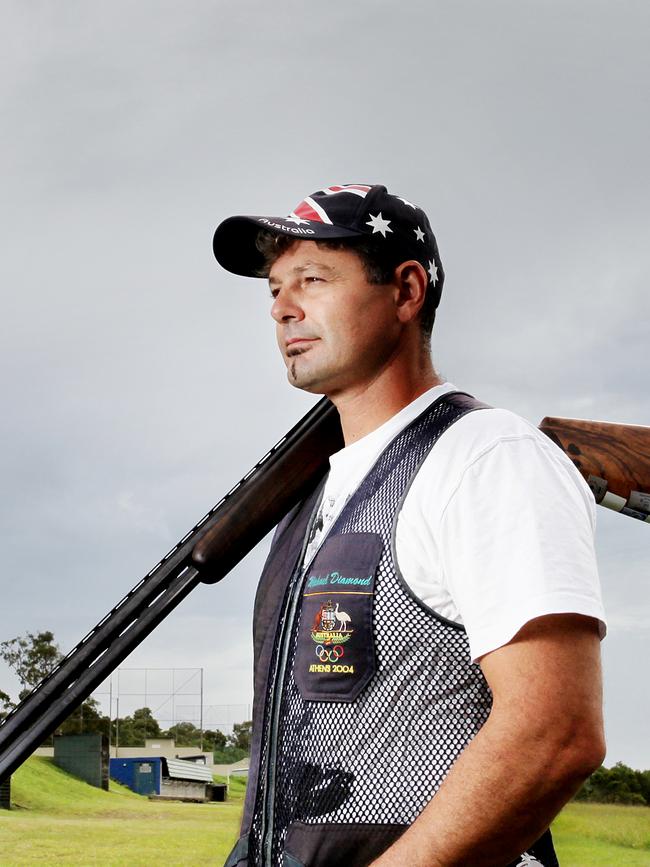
x=289, y=616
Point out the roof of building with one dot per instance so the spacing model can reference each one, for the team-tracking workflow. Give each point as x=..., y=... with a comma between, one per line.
x=179, y=769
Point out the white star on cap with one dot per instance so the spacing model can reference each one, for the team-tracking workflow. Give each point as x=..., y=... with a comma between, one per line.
x=433, y=272
x=419, y=234
x=406, y=202
x=294, y=218
x=379, y=224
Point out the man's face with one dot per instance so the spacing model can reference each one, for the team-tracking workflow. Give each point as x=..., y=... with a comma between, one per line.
x=336, y=331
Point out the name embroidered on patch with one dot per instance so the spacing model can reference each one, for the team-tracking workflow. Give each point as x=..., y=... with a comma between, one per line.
x=336, y=578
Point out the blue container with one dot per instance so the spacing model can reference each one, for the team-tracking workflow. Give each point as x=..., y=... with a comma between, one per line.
x=141, y=775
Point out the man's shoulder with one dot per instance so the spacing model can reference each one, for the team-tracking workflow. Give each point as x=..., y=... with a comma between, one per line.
x=484, y=427
x=482, y=423
x=488, y=445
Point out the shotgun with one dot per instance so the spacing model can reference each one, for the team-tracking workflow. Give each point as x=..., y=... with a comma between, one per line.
x=615, y=460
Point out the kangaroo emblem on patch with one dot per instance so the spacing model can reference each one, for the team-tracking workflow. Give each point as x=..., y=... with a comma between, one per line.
x=331, y=628
x=331, y=625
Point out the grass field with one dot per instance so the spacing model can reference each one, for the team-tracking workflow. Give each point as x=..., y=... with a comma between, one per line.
x=58, y=820
x=603, y=835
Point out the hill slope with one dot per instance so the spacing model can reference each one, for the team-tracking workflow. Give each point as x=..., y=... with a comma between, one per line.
x=41, y=786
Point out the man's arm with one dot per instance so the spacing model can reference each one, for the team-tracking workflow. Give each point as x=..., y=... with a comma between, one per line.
x=543, y=737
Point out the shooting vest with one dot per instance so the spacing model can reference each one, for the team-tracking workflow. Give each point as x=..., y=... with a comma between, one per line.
x=364, y=697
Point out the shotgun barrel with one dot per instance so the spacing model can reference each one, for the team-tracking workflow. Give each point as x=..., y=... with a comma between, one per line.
x=206, y=554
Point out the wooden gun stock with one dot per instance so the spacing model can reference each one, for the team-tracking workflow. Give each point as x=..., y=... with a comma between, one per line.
x=613, y=458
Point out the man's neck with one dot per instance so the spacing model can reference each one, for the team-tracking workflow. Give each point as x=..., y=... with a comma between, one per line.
x=365, y=409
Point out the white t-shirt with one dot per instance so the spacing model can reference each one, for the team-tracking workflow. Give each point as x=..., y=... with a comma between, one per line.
x=496, y=529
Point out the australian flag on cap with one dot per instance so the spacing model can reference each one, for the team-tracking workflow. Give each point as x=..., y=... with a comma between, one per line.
x=337, y=212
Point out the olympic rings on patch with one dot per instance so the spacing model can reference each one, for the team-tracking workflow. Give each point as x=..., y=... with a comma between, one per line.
x=326, y=655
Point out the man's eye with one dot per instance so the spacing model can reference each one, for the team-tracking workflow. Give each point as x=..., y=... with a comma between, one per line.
x=313, y=279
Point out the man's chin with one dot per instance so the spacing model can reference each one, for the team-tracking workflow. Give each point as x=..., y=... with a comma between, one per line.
x=306, y=385
x=305, y=381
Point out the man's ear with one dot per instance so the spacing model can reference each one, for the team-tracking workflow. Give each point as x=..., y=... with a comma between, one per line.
x=411, y=281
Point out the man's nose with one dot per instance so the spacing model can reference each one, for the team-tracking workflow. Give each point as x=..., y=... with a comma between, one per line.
x=286, y=308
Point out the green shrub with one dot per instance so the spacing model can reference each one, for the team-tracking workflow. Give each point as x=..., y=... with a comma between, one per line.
x=617, y=785
x=229, y=755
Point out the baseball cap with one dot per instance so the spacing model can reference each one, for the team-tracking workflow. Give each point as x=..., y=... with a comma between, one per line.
x=338, y=212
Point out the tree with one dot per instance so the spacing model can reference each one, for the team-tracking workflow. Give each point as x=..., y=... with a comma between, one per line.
x=85, y=719
x=241, y=735
x=31, y=656
x=185, y=734
x=6, y=704
x=214, y=740
x=145, y=725
x=644, y=784
x=617, y=785
x=134, y=730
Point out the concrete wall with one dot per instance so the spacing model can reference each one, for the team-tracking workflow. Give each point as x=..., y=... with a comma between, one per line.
x=182, y=789
x=240, y=767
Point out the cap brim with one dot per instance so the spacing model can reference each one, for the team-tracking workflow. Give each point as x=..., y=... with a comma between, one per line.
x=234, y=241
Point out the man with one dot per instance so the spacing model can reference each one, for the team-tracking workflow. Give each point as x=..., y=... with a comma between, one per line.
x=427, y=683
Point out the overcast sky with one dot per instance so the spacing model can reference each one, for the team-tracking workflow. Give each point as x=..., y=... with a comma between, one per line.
x=139, y=382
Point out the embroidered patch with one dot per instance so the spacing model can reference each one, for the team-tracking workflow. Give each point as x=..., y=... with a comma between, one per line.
x=335, y=654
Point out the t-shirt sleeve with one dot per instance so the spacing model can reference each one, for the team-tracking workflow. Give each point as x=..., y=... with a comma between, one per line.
x=516, y=540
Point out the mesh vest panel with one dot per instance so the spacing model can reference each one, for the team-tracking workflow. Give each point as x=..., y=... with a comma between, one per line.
x=380, y=758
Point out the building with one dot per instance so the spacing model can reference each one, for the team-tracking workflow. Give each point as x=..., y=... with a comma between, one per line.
x=163, y=777
x=164, y=748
